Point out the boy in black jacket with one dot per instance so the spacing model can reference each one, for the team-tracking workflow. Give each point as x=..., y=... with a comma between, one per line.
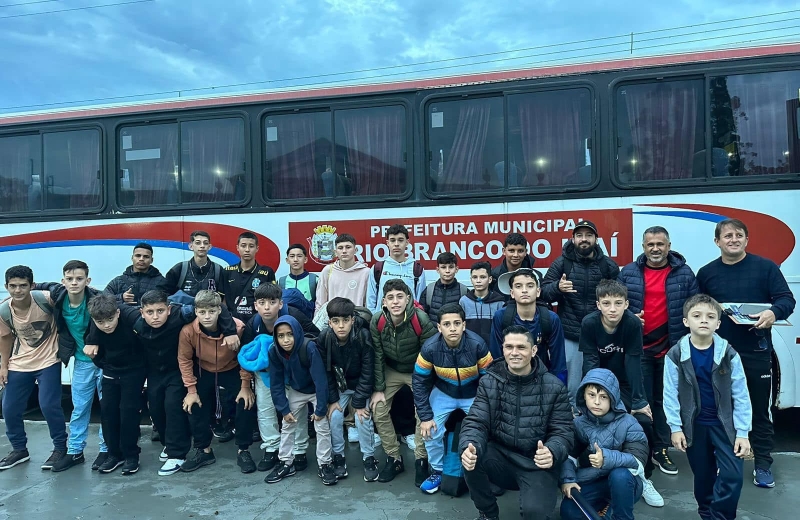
x=444, y=290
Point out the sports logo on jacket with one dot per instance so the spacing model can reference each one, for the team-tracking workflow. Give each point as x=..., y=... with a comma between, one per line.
x=256, y=283
x=322, y=245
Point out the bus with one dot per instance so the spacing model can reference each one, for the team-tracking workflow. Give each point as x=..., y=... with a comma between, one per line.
x=682, y=141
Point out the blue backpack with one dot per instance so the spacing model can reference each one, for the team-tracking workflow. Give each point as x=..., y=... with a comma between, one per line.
x=296, y=299
x=453, y=483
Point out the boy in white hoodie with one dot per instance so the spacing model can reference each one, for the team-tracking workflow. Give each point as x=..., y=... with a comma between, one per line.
x=396, y=266
x=346, y=277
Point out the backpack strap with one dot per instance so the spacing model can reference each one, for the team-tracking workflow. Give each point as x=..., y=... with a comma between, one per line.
x=509, y=311
x=545, y=322
x=463, y=289
x=304, y=361
x=566, y=266
x=282, y=282
x=416, y=325
x=5, y=315
x=42, y=301
x=377, y=272
x=184, y=272
x=218, y=273
x=429, y=293
x=312, y=285
x=418, y=270
x=381, y=323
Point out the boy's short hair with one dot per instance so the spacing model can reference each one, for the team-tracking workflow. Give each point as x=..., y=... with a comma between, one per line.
x=143, y=245
x=395, y=284
x=199, y=233
x=247, y=234
x=206, y=299
x=734, y=222
x=515, y=239
x=701, y=299
x=345, y=237
x=597, y=388
x=447, y=258
x=519, y=329
x=477, y=266
x=452, y=308
x=20, y=271
x=612, y=288
x=340, y=308
x=268, y=291
x=103, y=306
x=154, y=297
x=525, y=271
x=397, y=229
x=301, y=247
x=76, y=264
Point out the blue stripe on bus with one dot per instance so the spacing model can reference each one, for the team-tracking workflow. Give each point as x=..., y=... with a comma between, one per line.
x=697, y=215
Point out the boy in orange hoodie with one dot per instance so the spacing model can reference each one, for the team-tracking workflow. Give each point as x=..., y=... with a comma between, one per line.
x=216, y=367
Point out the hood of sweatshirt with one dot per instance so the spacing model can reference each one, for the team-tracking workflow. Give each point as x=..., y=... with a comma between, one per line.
x=297, y=332
x=358, y=266
x=492, y=297
x=608, y=381
x=152, y=272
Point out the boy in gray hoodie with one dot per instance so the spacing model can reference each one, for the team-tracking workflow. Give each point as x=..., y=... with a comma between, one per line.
x=396, y=266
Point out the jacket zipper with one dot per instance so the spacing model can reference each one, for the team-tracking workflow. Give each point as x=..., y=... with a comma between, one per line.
x=516, y=423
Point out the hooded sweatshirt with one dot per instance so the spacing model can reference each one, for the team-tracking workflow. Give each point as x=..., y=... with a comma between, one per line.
x=480, y=311
x=393, y=269
x=350, y=283
x=211, y=355
x=617, y=433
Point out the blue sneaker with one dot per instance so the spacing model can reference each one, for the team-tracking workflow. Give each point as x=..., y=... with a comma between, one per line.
x=763, y=478
x=432, y=483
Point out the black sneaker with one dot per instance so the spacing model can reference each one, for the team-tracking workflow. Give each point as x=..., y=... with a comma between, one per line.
x=280, y=472
x=68, y=461
x=484, y=516
x=370, y=469
x=300, y=462
x=155, y=436
x=392, y=468
x=223, y=433
x=664, y=463
x=339, y=466
x=110, y=464
x=421, y=471
x=130, y=467
x=268, y=462
x=101, y=458
x=14, y=458
x=327, y=475
x=245, y=461
x=197, y=459
x=54, y=457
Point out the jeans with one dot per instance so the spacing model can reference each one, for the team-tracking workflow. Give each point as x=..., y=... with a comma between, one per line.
x=383, y=421
x=120, y=414
x=574, y=368
x=208, y=385
x=268, y=422
x=717, y=495
x=298, y=404
x=165, y=393
x=366, y=429
x=86, y=378
x=443, y=405
x=15, y=400
x=653, y=377
x=620, y=488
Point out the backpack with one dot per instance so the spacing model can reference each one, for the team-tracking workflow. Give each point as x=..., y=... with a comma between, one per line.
x=415, y=324
x=312, y=286
x=431, y=286
x=605, y=269
x=545, y=320
x=377, y=272
x=364, y=313
x=453, y=483
x=304, y=361
x=295, y=298
x=5, y=309
x=185, y=272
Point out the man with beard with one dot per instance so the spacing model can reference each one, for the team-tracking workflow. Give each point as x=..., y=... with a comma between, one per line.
x=571, y=281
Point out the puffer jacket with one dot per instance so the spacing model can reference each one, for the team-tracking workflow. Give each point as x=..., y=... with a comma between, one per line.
x=356, y=358
x=139, y=283
x=480, y=311
x=528, y=262
x=585, y=275
x=441, y=295
x=514, y=413
x=680, y=286
x=398, y=346
x=66, y=343
x=617, y=433
x=454, y=371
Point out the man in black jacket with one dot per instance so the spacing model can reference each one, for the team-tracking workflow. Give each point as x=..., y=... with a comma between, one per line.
x=571, y=281
x=518, y=431
x=141, y=276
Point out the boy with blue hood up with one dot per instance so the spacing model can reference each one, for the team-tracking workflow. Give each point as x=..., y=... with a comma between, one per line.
x=605, y=466
x=297, y=377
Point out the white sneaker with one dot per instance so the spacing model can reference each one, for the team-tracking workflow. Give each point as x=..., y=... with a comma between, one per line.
x=376, y=440
x=409, y=440
x=171, y=466
x=651, y=497
x=163, y=457
x=352, y=434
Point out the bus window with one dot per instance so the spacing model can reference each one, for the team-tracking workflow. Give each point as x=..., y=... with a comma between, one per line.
x=548, y=139
x=149, y=165
x=466, y=145
x=299, y=155
x=213, y=161
x=72, y=170
x=370, y=152
x=660, y=132
x=20, y=173
x=754, y=124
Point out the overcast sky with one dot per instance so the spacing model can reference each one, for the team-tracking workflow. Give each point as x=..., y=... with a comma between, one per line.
x=153, y=47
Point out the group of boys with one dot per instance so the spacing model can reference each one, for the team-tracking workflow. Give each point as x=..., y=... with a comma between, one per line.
x=384, y=328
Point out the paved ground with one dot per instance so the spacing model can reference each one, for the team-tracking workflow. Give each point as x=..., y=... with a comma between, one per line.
x=220, y=491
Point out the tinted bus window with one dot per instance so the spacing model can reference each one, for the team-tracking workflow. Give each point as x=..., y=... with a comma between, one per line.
x=370, y=152
x=20, y=173
x=298, y=155
x=72, y=170
x=754, y=124
x=548, y=139
x=149, y=164
x=660, y=131
x=212, y=161
x=466, y=145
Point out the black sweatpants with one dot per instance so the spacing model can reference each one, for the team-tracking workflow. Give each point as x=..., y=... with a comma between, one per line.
x=717, y=495
x=758, y=373
x=208, y=384
x=165, y=393
x=120, y=412
x=538, y=489
x=653, y=377
x=647, y=425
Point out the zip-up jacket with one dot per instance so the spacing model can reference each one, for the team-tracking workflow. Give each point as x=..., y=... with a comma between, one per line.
x=118, y=353
x=356, y=359
x=442, y=295
x=211, y=355
x=480, y=312
x=66, y=343
x=139, y=283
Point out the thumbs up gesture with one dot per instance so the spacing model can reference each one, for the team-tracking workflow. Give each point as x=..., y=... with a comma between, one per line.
x=127, y=296
x=565, y=285
x=543, y=457
x=641, y=317
x=596, y=458
x=469, y=457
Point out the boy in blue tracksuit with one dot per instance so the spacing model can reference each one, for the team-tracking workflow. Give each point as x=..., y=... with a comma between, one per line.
x=606, y=464
x=708, y=409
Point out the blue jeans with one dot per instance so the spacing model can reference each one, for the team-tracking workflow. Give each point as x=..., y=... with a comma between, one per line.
x=443, y=405
x=366, y=429
x=86, y=377
x=620, y=488
x=15, y=400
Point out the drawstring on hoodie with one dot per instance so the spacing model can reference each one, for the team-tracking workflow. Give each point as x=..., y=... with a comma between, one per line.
x=218, y=407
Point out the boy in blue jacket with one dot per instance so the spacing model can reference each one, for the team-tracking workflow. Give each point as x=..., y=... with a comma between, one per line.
x=297, y=377
x=708, y=409
x=606, y=464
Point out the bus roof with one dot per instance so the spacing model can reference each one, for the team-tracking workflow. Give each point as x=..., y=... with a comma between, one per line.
x=299, y=93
